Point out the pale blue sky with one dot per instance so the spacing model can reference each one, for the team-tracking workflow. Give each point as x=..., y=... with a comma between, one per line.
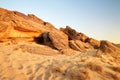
x=99, y=19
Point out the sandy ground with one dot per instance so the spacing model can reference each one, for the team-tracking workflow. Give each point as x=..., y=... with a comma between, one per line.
x=30, y=61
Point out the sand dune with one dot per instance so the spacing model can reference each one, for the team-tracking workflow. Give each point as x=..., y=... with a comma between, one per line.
x=17, y=63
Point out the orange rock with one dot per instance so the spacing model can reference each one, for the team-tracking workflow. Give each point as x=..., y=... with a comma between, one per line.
x=35, y=18
x=94, y=42
x=80, y=46
x=107, y=47
x=72, y=34
x=83, y=37
x=55, y=39
x=13, y=25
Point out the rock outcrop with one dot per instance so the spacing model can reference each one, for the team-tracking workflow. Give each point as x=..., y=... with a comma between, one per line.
x=14, y=24
x=79, y=45
x=83, y=37
x=72, y=34
x=94, y=42
x=54, y=40
x=79, y=41
x=108, y=48
x=35, y=18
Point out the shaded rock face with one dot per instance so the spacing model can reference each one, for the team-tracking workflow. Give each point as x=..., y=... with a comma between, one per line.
x=54, y=40
x=15, y=25
x=72, y=34
x=79, y=41
x=107, y=47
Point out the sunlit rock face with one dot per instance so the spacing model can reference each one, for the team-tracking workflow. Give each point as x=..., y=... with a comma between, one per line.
x=14, y=24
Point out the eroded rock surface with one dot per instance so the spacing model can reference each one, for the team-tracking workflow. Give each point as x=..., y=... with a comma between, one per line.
x=108, y=48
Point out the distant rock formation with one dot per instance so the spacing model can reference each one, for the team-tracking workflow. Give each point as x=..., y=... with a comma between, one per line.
x=79, y=41
x=108, y=48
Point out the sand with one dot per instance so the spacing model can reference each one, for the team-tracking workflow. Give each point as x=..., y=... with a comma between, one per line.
x=31, y=61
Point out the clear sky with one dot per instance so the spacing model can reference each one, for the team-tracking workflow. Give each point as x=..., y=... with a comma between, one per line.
x=99, y=19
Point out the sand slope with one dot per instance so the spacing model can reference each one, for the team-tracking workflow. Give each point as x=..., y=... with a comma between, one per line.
x=25, y=61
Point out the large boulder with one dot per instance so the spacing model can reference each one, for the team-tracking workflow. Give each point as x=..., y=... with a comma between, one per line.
x=59, y=40
x=108, y=48
x=54, y=39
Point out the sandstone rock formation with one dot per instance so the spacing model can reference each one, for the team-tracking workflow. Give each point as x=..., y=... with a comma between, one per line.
x=35, y=18
x=72, y=34
x=79, y=45
x=14, y=24
x=94, y=42
x=83, y=37
x=54, y=40
x=80, y=40
x=108, y=48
